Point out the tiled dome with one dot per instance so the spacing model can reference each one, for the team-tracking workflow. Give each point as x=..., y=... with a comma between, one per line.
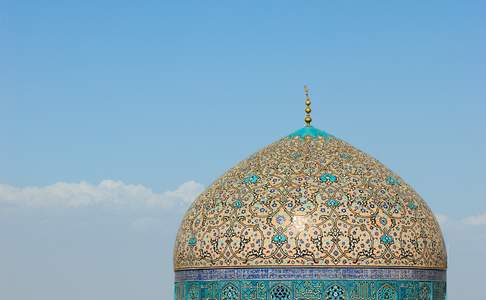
x=309, y=217
x=309, y=200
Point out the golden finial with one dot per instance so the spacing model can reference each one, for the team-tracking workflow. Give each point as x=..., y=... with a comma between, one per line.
x=308, y=110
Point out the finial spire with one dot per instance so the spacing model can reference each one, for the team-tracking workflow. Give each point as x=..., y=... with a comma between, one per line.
x=308, y=110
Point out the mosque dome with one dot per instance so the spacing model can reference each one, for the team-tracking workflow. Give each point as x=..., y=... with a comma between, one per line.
x=310, y=217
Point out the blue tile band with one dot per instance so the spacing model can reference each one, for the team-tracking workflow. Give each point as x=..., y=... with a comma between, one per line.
x=310, y=273
x=310, y=284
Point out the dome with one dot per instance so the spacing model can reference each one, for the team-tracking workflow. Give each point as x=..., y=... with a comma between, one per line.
x=310, y=207
x=309, y=199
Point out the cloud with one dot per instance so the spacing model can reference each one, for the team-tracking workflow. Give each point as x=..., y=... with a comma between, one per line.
x=187, y=192
x=442, y=219
x=475, y=220
x=109, y=193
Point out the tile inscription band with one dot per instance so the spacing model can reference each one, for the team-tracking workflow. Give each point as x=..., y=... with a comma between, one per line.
x=310, y=273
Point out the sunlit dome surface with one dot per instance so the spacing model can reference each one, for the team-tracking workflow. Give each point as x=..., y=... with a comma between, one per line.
x=309, y=199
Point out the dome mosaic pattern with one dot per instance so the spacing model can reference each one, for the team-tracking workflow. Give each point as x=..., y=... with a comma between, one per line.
x=298, y=217
x=309, y=201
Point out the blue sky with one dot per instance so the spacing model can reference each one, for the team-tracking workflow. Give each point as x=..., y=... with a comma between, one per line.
x=148, y=102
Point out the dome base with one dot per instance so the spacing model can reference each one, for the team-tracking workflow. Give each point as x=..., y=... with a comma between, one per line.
x=311, y=283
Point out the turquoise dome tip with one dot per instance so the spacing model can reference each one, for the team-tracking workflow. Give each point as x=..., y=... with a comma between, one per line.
x=310, y=131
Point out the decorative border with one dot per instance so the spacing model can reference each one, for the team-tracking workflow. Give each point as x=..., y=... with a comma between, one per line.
x=310, y=290
x=311, y=273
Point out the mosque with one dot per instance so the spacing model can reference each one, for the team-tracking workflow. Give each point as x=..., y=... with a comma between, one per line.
x=309, y=217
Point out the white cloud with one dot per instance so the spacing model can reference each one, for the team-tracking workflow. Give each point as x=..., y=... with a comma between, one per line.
x=475, y=220
x=106, y=193
x=187, y=191
x=442, y=219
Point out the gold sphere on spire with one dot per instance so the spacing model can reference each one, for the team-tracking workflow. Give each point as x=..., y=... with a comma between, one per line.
x=308, y=110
